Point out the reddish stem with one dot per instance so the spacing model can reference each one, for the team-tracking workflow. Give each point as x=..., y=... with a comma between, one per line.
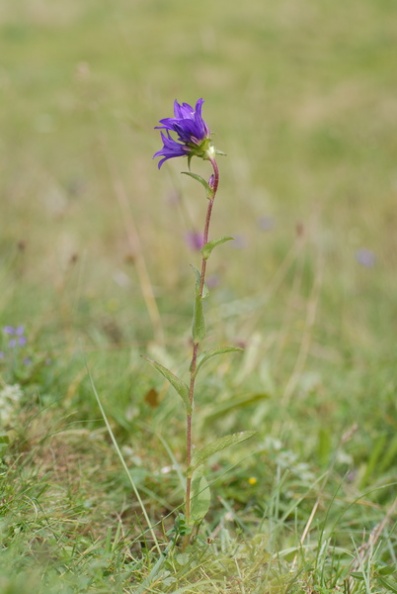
x=214, y=181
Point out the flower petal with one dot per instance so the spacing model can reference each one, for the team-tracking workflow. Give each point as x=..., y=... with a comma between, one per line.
x=192, y=132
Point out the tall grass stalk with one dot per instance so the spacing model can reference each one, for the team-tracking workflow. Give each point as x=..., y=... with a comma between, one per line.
x=123, y=463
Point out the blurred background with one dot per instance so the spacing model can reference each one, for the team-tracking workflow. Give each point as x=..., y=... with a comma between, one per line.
x=300, y=94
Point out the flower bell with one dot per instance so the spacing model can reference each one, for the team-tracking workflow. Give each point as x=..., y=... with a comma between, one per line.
x=193, y=135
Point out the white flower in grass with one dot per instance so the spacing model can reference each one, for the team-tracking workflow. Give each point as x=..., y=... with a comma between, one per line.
x=10, y=397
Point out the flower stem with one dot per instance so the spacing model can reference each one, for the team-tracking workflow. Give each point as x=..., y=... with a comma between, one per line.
x=214, y=181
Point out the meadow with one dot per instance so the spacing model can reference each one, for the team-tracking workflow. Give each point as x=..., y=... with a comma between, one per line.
x=96, y=274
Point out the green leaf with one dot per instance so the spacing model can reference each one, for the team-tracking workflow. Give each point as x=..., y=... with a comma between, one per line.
x=324, y=445
x=391, y=586
x=384, y=570
x=207, y=356
x=200, y=498
x=217, y=446
x=389, y=456
x=223, y=408
x=198, y=328
x=200, y=179
x=358, y=575
x=197, y=274
x=181, y=388
x=377, y=452
x=207, y=249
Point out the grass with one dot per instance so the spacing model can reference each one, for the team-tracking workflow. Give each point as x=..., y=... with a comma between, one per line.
x=94, y=264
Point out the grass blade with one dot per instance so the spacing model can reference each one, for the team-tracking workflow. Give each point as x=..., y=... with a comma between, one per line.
x=123, y=463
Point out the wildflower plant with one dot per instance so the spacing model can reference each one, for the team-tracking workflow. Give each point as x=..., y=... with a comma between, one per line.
x=13, y=349
x=20, y=361
x=188, y=135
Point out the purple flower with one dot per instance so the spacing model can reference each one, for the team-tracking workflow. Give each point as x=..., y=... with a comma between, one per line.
x=366, y=257
x=266, y=223
x=18, y=334
x=18, y=331
x=193, y=135
x=195, y=240
x=213, y=281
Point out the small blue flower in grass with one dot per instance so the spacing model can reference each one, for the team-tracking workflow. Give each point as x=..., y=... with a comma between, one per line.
x=193, y=135
x=18, y=334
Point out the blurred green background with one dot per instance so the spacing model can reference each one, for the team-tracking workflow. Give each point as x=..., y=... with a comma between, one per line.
x=301, y=95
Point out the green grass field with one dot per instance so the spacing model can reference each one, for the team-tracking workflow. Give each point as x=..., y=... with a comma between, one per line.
x=94, y=265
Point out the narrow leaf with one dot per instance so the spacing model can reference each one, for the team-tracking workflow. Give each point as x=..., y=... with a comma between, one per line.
x=207, y=356
x=357, y=575
x=179, y=385
x=385, y=570
x=218, y=445
x=236, y=403
x=200, y=498
x=123, y=462
x=200, y=179
x=197, y=274
x=207, y=249
x=198, y=328
x=392, y=587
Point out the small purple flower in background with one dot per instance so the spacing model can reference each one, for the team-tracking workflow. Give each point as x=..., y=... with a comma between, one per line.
x=18, y=334
x=213, y=281
x=193, y=135
x=195, y=240
x=266, y=223
x=366, y=257
x=239, y=242
x=18, y=331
